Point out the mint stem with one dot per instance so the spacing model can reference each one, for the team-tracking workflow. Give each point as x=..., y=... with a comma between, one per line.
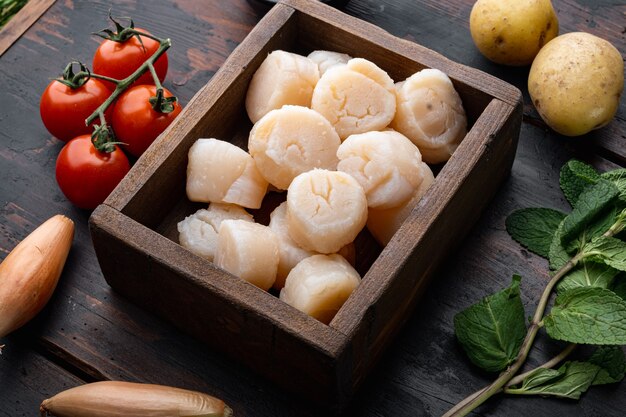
x=470, y=403
x=504, y=379
x=122, y=85
x=549, y=364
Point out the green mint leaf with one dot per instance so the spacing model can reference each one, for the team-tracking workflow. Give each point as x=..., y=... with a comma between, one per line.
x=541, y=376
x=593, y=214
x=620, y=287
x=618, y=178
x=557, y=254
x=575, y=177
x=612, y=364
x=588, y=315
x=588, y=274
x=569, y=381
x=609, y=250
x=615, y=175
x=491, y=331
x=534, y=228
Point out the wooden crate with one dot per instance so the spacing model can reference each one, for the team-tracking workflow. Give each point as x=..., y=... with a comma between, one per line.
x=134, y=231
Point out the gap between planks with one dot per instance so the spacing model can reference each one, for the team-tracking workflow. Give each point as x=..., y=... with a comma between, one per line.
x=22, y=20
x=65, y=360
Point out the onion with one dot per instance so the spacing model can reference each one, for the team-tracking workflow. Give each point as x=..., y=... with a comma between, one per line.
x=117, y=399
x=29, y=274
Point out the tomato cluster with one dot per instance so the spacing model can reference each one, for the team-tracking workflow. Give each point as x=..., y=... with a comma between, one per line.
x=91, y=164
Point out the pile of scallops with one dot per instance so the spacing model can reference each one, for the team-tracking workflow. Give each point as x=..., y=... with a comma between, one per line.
x=349, y=147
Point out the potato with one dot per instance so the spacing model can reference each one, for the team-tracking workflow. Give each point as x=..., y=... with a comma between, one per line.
x=576, y=82
x=511, y=32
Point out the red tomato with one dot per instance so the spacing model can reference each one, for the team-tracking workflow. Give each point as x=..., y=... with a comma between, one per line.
x=120, y=59
x=87, y=176
x=135, y=122
x=64, y=110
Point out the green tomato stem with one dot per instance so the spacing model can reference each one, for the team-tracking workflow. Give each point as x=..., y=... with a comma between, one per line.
x=105, y=78
x=158, y=99
x=122, y=85
x=139, y=33
x=155, y=78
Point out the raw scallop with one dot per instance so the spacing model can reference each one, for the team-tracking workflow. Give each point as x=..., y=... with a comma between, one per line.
x=283, y=78
x=249, y=251
x=320, y=285
x=292, y=140
x=290, y=254
x=220, y=172
x=431, y=114
x=386, y=164
x=355, y=98
x=325, y=210
x=198, y=232
x=328, y=59
x=383, y=224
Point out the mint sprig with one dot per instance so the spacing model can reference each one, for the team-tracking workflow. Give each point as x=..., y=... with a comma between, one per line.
x=587, y=259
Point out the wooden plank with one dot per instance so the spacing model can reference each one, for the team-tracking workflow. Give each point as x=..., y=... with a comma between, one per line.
x=21, y=22
x=27, y=378
x=424, y=369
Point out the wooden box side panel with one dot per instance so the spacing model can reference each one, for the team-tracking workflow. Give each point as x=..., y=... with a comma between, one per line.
x=323, y=25
x=158, y=178
x=248, y=324
x=466, y=184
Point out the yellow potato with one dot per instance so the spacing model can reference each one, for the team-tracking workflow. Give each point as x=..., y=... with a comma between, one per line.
x=576, y=82
x=511, y=32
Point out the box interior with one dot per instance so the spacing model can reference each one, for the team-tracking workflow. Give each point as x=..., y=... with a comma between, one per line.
x=164, y=191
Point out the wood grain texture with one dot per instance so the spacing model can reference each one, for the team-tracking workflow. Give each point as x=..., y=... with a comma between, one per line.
x=99, y=334
x=21, y=22
x=27, y=378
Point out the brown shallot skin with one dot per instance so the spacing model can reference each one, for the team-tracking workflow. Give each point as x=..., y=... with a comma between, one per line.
x=125, y=399
x=29, y=274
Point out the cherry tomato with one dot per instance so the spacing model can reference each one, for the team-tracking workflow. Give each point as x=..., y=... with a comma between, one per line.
x=135, y=122
x=64, y=109
x=120, y=59
x=87, y=176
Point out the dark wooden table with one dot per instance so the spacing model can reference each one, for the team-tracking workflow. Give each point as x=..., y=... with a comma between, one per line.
x=88, y=333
